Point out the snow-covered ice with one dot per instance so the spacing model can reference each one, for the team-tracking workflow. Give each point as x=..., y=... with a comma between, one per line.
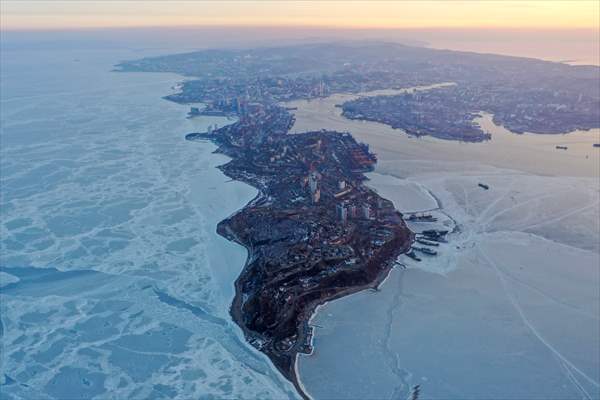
x=509, y=308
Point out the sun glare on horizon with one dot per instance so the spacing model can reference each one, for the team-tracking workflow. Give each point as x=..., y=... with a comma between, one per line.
x=581, y=14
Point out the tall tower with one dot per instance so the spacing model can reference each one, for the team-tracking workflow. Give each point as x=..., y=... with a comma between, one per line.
x=313, y=181
x=367, y=211
x=342, y=212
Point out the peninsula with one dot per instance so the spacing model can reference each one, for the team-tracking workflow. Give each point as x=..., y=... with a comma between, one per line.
x=313, y=233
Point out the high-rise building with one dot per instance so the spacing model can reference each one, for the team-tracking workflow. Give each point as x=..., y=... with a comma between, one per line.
x=241, y=107
x=342, y=212
x=313, y=181
x=367, y=211
x=316, y=196
x=352, y=211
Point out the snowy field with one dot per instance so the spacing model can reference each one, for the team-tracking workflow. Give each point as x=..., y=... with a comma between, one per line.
x=509, y=308
x=113, y=282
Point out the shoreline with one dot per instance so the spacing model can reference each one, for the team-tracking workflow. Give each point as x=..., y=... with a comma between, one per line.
x=214, y=147
x=389, y=272
x=418, y=302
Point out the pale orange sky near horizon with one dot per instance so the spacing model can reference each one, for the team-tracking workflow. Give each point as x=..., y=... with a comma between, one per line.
x=525, y=14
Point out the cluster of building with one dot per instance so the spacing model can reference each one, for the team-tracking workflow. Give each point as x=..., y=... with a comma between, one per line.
x=523, y=94
x=431, y=113
x=349, y=210
x=228, y=97
x=449, y=112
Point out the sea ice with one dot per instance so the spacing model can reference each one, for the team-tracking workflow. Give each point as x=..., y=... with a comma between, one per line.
x=106, y=212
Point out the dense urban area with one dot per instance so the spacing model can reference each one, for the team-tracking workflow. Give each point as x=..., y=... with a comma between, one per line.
x=524, y=95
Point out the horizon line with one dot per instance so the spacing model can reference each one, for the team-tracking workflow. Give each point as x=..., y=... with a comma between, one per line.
x=307, y=26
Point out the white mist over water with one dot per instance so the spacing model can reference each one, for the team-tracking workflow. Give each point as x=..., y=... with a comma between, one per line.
x=574, y=46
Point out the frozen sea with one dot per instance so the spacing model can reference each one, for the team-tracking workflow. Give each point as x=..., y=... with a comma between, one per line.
x=510, y=307
x=113, y=282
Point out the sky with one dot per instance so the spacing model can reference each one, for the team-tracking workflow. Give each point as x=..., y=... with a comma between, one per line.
x=523, y=14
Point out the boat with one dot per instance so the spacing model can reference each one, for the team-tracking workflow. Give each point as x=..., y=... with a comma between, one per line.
x=194, y=112
x=562, y=147
x=483, y=185
x=425, y=250
x=427, y=242
x=422, y=218
x=433, y=233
